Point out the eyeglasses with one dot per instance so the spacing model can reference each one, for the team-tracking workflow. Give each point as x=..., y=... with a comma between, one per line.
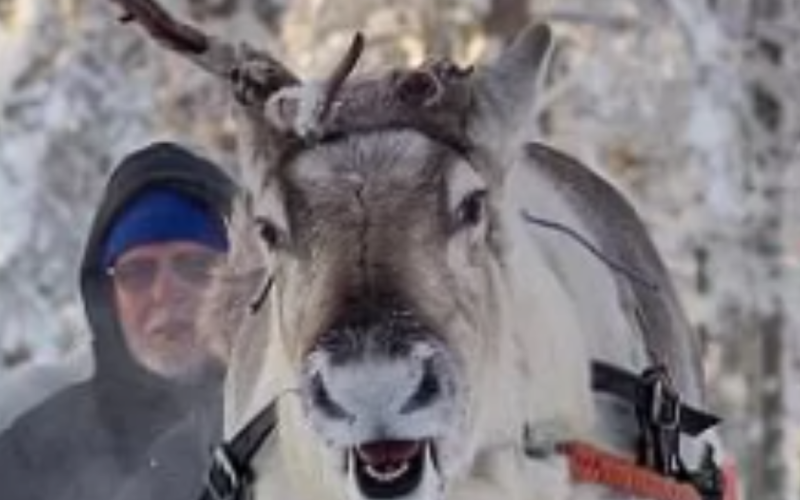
x=138, y=274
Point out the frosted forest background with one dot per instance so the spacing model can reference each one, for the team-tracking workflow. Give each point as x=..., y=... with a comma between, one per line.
x=691, y=107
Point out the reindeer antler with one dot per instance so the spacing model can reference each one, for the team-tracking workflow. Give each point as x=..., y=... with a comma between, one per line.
x=433, y=98
x=224, y=60
x=163, y=27
x=340, y=74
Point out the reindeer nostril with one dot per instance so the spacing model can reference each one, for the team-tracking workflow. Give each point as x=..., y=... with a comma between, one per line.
x=322, y=400
x=427, y=391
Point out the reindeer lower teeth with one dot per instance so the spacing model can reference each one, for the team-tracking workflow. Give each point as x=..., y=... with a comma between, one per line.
x=387, y=476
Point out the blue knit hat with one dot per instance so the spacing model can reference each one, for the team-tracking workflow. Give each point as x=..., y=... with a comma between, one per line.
x=160, y=215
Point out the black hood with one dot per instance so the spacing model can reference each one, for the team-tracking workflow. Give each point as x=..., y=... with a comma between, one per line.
x=134, y=402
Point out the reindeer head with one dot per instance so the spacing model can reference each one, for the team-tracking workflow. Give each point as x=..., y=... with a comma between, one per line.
x=386, y=227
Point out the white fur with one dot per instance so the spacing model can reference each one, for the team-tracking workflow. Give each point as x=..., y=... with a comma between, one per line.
x=539, y=367
x=521, y=309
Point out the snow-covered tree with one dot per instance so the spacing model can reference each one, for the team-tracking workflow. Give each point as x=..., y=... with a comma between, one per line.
x=690, y=106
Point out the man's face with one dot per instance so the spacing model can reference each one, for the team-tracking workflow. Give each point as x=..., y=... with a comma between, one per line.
x=158, y=289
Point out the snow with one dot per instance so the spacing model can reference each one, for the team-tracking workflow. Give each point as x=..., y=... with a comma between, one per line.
x=18, y=185
x=657, y=103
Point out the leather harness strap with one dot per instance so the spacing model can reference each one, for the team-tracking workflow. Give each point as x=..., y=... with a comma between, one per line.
x=633, y=388
x=231, y=475
x=662, y=418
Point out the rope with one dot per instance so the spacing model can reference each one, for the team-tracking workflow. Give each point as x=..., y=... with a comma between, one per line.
x=588, y=464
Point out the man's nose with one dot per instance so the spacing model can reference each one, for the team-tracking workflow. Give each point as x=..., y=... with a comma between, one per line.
x=166, y=285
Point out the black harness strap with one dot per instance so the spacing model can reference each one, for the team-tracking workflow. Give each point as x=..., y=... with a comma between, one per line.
x=662, y=418
x=230, y=474
x=639, y=390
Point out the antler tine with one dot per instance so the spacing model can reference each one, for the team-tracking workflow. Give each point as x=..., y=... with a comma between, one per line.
x=340, y=74
x=220, y=58
x=188, y=41
x=163, y=27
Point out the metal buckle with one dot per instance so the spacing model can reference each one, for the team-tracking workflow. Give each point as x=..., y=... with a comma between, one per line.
x=665, y=402
x=223, y=469
x=660, y=420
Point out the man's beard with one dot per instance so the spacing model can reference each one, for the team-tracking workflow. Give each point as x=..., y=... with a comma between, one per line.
x=170, y=347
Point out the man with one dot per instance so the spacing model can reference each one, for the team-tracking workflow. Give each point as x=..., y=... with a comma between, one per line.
x=28, y=385
x=155, y=239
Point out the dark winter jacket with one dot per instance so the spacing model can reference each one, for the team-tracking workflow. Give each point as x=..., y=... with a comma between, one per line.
x=90, y=440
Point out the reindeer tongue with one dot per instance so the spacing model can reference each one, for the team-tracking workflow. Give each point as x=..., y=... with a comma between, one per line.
x=383, y=453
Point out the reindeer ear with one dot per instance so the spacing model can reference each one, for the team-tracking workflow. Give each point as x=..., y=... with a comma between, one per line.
x=506, y=90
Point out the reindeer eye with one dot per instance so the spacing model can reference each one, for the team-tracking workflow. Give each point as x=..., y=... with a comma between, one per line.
x=471, y=210
x=268, y=232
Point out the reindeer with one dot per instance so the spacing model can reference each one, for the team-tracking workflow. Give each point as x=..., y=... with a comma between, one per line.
x=421, y=303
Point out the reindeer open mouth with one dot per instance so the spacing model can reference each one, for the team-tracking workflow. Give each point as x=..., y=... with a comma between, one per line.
x=390, y=469
x=383, y=393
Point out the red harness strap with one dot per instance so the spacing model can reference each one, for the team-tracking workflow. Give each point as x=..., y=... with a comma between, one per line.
x=730, y=477
x=588, y=464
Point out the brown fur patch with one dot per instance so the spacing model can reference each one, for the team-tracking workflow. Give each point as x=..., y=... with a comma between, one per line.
x=235, y=285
